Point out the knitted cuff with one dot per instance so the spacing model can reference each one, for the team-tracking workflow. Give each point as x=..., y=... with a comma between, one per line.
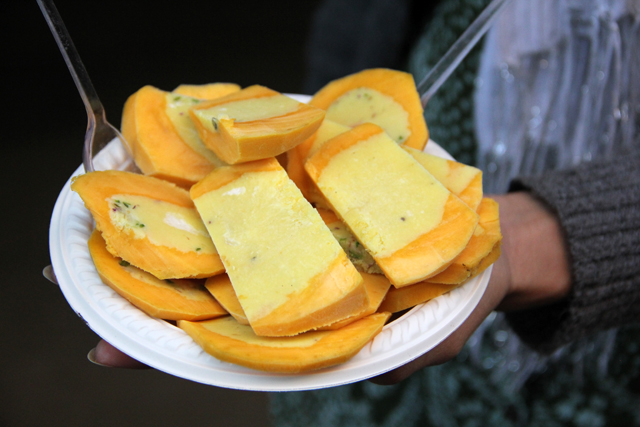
x=598, y=206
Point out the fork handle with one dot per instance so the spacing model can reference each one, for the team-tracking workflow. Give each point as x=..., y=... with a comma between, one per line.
x=459, y=50
x=74, y=63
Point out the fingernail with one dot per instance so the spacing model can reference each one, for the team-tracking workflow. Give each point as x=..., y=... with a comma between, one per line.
x=91, y=357
x=49, y=274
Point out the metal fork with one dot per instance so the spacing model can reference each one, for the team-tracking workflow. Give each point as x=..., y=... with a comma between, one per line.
x=99, y=131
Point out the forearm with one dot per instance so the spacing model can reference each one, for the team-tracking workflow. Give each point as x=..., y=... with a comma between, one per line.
x=597, y=205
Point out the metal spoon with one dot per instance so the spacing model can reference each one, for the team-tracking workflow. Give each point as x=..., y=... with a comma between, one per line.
x=99, y=131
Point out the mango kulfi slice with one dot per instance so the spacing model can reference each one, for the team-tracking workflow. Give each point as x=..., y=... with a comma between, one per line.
x=462, y=180
x=288, y=271
x=149, y=223
x=407, y=220
x=222, y=290
x=473, y=260
x=487, y=261
x=482, y=251
x=163, y=140
x=254, y=123
x=399, y=299
x=176, y=299
x=377, y=286
x=229, y=341
x=485, y=239
x=298, y=155
x=385, y=97
x=206, y=91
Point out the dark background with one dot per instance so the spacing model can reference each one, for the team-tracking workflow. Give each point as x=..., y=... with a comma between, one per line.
x=45, y=378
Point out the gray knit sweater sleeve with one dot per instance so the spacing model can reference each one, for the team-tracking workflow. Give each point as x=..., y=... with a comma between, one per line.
x=598, y=205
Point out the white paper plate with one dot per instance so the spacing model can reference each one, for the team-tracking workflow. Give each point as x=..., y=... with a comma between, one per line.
x=167, y=348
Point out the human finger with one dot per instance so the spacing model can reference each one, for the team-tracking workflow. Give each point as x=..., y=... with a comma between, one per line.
x=104, y=354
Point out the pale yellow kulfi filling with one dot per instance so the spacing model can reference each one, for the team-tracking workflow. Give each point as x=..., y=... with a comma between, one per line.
x=386, y=197
x=163, y=223
x=479, y=230
x=177, y=110
x=229, y=327
x=188, y=290
x=366, y=105
x=270, y=239
x=456, y=179
x=326, y=131
x=247, y=110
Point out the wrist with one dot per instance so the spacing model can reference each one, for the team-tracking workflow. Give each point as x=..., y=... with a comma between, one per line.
x=534, y=266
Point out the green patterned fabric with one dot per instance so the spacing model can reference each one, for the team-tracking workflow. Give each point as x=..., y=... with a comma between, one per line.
x=592, y=383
